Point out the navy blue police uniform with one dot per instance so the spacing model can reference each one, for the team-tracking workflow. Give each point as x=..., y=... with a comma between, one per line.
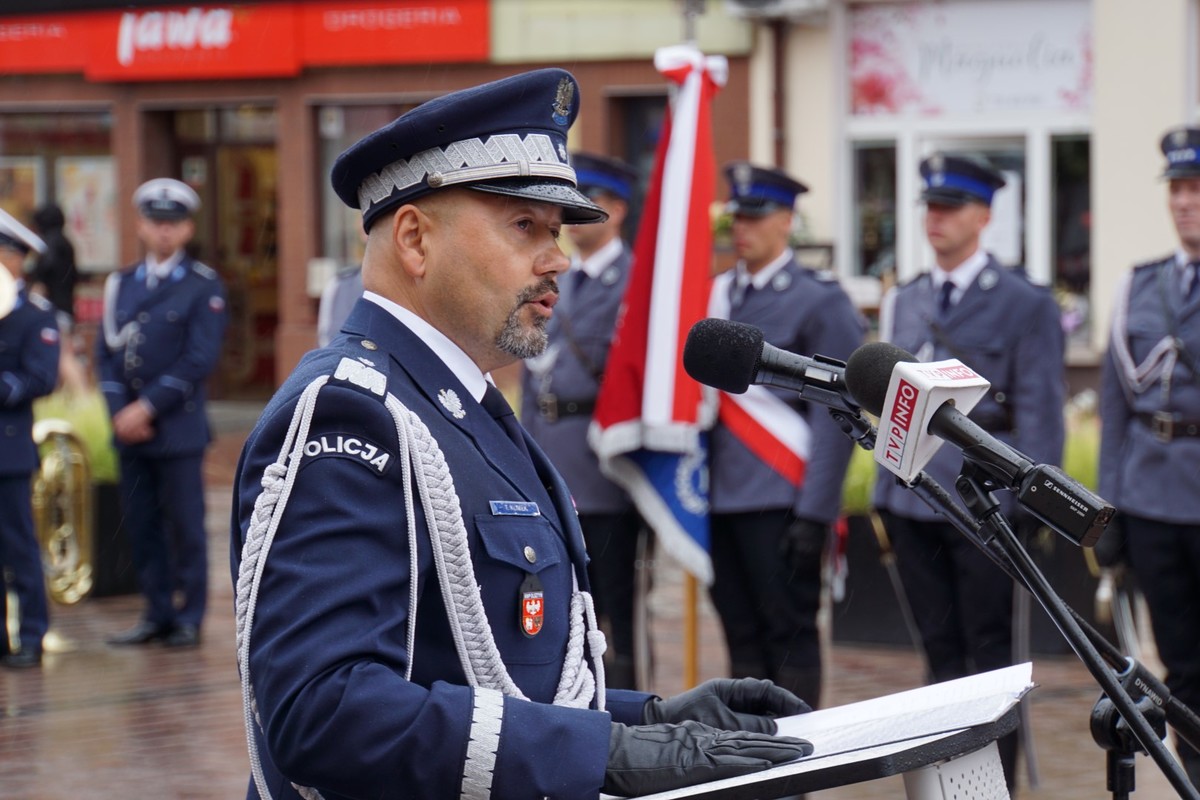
x=161, y=339
x=1008, y=330
x=29, y=351
x=558, y=397
x=768, y=604
x=412, y=607
x=1150, y=442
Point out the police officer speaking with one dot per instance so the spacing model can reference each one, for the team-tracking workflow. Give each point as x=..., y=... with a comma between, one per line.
x=993, y=319
x=413, y=614
x=1150, y=432
x=29, y=351
x=559, y=396
x=164, y=319
x=776, y=464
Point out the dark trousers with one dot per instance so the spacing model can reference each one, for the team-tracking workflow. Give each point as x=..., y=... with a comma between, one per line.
x=962, y=604
x=1166, y=562
x=612, y=541
x=21, y=562
x=163, y=506
x=768, y=611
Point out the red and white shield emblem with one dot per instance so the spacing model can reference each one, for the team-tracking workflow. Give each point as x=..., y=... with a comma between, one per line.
x=532, y=613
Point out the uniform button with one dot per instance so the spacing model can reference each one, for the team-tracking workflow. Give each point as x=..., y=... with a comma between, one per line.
x=137, y=361
x=144, y=317
x=189, y=406
x=136, y=383
x=172, y=316
x=1001, y=397
x=530, y=554
x=369, y=345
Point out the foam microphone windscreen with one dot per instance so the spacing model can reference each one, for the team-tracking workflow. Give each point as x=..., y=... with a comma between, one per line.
x=869, y=371
x=723, y=354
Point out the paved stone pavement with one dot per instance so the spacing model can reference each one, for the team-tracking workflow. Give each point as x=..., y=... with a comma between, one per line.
x=101, y=722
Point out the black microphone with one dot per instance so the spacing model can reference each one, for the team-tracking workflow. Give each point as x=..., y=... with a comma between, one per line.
x=731, y=355
x=1049, y=493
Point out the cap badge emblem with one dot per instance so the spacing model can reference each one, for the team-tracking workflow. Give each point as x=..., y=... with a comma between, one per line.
x=449, y=400
x=987, y=279
x=741, y=177
x=562, y=101
x=781, y=281
x=937, y=162
x=1179, y=138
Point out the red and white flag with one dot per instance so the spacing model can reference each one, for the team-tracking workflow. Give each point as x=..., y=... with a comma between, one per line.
x=647, y=428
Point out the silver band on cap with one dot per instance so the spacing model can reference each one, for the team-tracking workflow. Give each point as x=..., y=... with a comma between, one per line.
x=505, y=155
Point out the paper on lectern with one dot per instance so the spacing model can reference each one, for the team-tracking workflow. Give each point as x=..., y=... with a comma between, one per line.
x=941, y=707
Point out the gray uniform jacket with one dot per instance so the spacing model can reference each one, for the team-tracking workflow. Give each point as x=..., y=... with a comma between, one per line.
x=581, y=333
x=1149, y=473
x=808, y=314
x=1009, y=331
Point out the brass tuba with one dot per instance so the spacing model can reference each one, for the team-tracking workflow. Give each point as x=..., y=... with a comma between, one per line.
x=62, y=511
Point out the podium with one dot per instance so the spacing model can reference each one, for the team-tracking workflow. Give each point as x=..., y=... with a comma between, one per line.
x=941, y=738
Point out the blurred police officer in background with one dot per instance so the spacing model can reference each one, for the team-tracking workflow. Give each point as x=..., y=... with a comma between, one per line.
x=770, y=526
x=970, y=307
x=29, y=348
x=412, y=599
x=54, y=273
x=1150, y=433
x=164, y=319
x=559, y=395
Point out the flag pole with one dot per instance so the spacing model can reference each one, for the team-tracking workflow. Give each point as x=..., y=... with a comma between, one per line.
x=691, y=622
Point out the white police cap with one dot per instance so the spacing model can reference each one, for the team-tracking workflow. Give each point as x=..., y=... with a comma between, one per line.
x=14, y=234
x=166, y=199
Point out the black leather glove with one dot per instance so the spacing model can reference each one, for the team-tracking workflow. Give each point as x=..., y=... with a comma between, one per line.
x=645, y=759
x=741, y=704
x=803, y=542
x=1111, y=550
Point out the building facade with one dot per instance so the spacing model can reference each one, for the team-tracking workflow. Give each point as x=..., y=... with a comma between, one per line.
x=250, y=103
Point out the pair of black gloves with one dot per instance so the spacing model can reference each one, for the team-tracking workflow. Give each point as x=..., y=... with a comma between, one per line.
x=721, y=729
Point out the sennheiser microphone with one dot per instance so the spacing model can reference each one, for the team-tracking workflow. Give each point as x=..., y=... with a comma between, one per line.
x=1050, y=494
x=731, y=356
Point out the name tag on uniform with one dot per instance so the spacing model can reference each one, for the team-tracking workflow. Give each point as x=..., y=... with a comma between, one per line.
x=514, y=508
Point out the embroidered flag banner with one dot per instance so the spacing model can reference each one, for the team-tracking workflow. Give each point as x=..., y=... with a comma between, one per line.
x=647, y=427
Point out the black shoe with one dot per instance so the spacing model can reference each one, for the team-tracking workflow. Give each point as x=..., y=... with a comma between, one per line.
x=183, y=636
x=142, y=633
x=23, y=659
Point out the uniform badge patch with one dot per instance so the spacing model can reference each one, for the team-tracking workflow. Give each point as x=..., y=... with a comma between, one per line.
x=987, y=279
x=49, y=335
x=449, y=400
x=533, y=606
x=216, y=303
x=346, y=446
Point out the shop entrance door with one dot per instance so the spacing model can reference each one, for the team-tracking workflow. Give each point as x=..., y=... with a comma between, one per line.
x=236, y=171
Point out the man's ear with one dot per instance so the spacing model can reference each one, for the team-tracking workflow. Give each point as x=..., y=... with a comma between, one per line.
x=410, y=235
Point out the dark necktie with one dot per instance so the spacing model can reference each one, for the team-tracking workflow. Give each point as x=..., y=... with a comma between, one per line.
x=944, y=298
x=493, y=400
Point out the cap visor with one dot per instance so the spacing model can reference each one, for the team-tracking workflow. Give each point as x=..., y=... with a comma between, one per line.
x=743, y=208
x=165, y=216
x=941, y=197
x=1182, y=171
x=577, y=208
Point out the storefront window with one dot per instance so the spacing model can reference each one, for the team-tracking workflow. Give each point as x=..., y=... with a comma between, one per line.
x=338, y=127
x=874, y=210
x=63, y=158
x=1072, y=241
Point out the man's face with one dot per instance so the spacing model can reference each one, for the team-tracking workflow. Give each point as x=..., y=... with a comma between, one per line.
x=953, y=231
x=591, y=237
x=1184, y=203
x=164, y=237
x=758, y=240
x=490, y=282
